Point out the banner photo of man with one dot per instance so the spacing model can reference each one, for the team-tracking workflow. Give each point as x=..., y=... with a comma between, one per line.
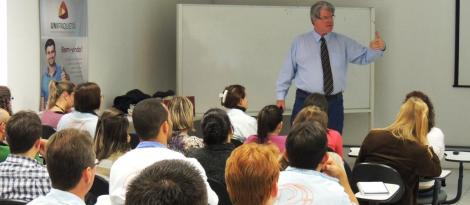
x=63, y=44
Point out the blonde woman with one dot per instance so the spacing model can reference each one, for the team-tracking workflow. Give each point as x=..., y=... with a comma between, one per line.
x=60, y=102
x=403, y=145
x=182, y=117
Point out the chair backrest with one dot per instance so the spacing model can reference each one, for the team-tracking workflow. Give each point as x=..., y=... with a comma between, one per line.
x=100, y=187
x=369, y=171
x=221, y=190
x=12, y=202
x=47, y=131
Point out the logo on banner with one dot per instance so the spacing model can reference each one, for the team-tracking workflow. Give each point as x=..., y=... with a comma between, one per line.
x=63, y=11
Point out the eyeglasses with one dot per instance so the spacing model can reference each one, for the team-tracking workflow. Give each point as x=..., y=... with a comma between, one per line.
x=326, y=18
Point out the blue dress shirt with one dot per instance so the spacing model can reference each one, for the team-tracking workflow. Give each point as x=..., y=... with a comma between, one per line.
x=303, y=63
x=46, y=79
x=150, y=144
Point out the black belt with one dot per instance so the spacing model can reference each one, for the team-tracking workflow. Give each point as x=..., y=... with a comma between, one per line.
x=328, y=97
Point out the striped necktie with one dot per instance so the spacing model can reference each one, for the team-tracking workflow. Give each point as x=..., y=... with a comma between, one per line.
x=325, y=62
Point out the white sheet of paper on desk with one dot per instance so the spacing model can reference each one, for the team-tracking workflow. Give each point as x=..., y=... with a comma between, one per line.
x=372, y=188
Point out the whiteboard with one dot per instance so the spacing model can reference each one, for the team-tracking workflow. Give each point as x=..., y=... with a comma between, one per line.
x=220, y=45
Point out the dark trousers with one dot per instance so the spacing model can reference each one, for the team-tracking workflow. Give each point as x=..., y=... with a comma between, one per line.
x=335, y=109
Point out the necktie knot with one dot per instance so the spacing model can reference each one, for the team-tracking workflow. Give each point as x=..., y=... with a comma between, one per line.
x=322, y=39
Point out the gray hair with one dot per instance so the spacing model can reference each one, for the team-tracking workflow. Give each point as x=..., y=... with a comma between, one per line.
x=319, y=5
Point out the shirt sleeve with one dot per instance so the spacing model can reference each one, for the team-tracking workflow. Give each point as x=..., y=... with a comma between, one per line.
x=287, y=73
x=359, y=54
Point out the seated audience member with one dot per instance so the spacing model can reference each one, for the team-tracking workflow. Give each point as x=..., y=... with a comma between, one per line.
x=252, y=173
x=22, y=177
x=5, y=99
x=87, y=100
x=60, y=102
x=216, y=129
x=4, y=150
x=182, y=116
x=435, y=136
x=234, y=98
x=153, y=125
x=111, y=140
x=312, y=178
x=71, y=165
x=269, y=127
x=313, y=113
x=403, y=145
x=168, y=182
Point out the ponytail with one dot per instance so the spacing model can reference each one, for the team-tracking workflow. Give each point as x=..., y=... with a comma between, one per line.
x=56, y=88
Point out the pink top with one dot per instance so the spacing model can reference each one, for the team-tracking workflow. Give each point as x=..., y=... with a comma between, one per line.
x=279, y=141
x=335, y=142
x=50, y=118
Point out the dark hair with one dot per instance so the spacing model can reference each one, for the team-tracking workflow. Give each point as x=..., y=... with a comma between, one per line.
x=235, y=93
x=5, y=99
x=316, y=99
x=111, y=134
x=216, y=126
x=49, y=42
x=268, y=119
x=87, y=97
x=23, y=130
x=306, y=145
x=56, y=88
x=148, y=116
x=168, y=182
x=69, y=152
x=425, y=99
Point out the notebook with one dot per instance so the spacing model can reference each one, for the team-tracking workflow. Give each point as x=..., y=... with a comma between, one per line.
x=372, y=188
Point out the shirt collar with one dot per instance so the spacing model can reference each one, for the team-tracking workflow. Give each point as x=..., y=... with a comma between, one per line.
x=14, y=158
x=64, y=196
x=309, y=172
x=150, y=144
x=317, y=36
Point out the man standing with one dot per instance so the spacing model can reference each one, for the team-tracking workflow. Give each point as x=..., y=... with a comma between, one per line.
x=53, y=72
x=71, y=165
x=317, y=62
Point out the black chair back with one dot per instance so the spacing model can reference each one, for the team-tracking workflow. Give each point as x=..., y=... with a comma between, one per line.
x=221, y=190
x=369, y=171
x=100, y=187
x=12, y=202
x=47, y=131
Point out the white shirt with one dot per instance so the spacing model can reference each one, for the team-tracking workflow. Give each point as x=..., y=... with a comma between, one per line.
x=58, y=197
x=79, y=120
x=309, y=187
x=133, y=162
x=243, y=124
x=436, y=141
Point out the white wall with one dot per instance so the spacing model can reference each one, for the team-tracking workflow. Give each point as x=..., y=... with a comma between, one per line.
x=132, y=45
x=23, y=53
x=3, y=43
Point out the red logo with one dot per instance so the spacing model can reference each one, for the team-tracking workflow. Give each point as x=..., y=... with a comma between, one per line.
x=63, y=11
